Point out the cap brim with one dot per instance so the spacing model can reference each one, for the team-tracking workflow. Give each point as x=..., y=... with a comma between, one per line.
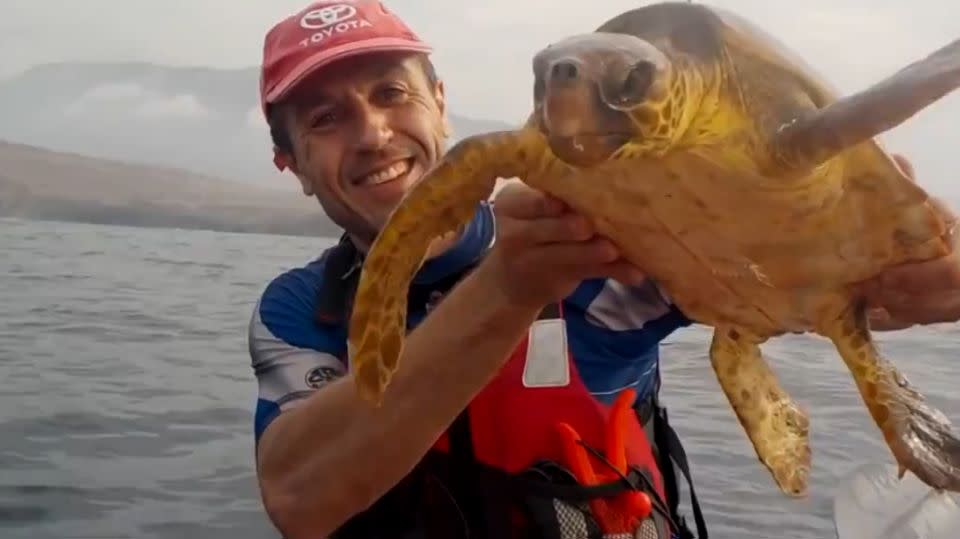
x=322, y=58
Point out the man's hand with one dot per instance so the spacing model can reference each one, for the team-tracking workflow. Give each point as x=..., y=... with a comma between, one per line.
x=921, y=293
x=543, y=250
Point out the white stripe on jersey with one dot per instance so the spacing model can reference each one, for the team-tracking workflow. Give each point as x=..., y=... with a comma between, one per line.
x=286, y=373
x=619, y=307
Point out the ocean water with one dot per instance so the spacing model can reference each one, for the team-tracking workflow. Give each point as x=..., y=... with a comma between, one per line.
x=126, y=397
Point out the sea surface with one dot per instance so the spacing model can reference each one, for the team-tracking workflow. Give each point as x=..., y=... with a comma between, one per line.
x=127, y=395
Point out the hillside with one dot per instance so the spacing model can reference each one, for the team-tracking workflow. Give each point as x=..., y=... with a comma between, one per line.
x=41, y=184
x=204, y=120
x=187, y=147
x=150, y=145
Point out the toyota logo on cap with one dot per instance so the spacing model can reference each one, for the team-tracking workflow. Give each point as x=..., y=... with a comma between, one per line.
x=326, y=16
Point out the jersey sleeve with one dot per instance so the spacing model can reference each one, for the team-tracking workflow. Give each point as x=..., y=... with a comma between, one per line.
x=291, y=356
x=614, y=332
x=633, y=317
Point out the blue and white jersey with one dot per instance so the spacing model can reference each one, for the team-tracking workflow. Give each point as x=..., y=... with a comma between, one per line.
x=613, y=330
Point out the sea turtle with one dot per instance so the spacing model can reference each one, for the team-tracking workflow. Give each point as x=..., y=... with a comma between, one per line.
x=749, y=190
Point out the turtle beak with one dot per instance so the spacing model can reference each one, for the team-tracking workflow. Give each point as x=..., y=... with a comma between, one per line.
x=564, y=73
x=565, y=98
x=574, y=104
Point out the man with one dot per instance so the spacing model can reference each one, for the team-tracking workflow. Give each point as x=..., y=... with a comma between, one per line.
x=485, y=428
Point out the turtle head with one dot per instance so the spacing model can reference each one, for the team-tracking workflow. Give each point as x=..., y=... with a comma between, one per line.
x=596, y=93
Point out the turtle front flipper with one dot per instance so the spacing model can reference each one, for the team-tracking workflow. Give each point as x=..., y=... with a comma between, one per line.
x=818, y=136
x=920, y=436
x=777, y=427
x=441, y=202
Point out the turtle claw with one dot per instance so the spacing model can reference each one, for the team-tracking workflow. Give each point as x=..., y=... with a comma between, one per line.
x=920, y=437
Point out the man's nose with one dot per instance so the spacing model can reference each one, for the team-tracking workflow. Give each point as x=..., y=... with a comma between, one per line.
x=373, y=129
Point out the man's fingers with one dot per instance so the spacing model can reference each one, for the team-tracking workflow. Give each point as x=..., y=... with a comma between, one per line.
x=938, y=204
x=906, y=166
x=567, y=257
x=621, y=271
x=566, y=228
x=521, y=201
x=946, y=213
x=933, y=309
x=595, y=258
x=919, y=278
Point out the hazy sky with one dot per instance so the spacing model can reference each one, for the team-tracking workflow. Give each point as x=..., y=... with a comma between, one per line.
x=484, y=43
x=487, y=43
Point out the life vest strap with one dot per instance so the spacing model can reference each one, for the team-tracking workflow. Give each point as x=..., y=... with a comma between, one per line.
x=670, y=451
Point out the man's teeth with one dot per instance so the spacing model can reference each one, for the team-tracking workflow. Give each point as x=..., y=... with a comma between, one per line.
x=392, y=172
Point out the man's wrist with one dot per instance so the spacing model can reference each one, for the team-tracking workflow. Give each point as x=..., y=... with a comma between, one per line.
x=489, y=281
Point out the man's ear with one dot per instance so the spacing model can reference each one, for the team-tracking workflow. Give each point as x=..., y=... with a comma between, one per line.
x=281, y=159
x=284, y=160
x=305, y=182
x=439, y=94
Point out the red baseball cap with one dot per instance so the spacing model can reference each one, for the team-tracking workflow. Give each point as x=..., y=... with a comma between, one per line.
x=326, y=31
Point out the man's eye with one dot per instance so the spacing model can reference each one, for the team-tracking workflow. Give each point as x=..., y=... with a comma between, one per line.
x=323, y=119
x=392, y=93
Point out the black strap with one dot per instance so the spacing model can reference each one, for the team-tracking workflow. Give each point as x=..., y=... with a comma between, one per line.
x=668, y=443
x=575, y=492
x=463, y=476
x=549, y=311
x=342, y=276
x=340, y=280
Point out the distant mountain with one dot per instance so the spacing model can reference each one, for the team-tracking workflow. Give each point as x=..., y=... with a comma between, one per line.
x=187, y=147
x=199, y=119
x=41, y=184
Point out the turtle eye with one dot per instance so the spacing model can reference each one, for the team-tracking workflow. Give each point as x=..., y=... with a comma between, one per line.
x=637, y=82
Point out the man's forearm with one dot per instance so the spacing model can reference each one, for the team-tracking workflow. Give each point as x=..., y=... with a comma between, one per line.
x=334, y=455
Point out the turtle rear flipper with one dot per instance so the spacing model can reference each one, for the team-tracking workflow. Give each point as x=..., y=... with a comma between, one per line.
x=441, y=202
x=920, y=436
x=776, y=426
x=811, y=140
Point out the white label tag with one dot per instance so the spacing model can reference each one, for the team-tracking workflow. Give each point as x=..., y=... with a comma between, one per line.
x=548, y=362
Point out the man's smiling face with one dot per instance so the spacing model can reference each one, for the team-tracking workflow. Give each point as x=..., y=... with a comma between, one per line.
x=363, y=131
